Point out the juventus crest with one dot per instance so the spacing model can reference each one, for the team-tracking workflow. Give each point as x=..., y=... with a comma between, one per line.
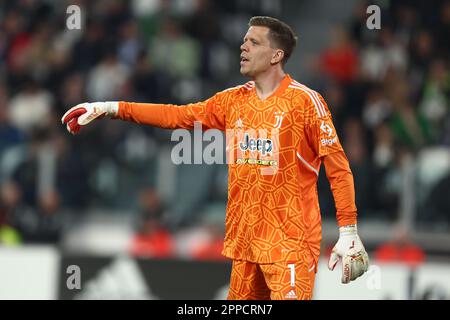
x=278, y=119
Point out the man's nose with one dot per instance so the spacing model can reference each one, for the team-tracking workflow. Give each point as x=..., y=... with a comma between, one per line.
x=244, y=47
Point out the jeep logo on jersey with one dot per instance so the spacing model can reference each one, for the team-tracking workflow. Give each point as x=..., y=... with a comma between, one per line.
x=263, y=146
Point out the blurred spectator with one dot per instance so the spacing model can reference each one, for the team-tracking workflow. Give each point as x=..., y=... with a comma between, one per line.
x=205, y=14
x=421, y=54
x=407, y=22
x=150, y=84
x=377, y=107
x=386, y=189
x=210, y=248
x=17, y=43
x=30, y=109
x=70, y=174
x=9, y=135
x=48, y=179
x=9, y=199
x=435, y=102
x=410, y=128
x=40, y=51
x=400, y=249
x=113, y=14
x=71, y=91
x=152, y=238
x=383, y=154
x=436, y=210
x=443, y=30
x=355, y=146
x=88, y=50
x=174, y=51
x=58, y=66
x=150, y=14
x=105, y=79
x=387, y=53
x=130, y=43
x=358, y=27
x=42, y=224
x=340, y=60
x=146, y=7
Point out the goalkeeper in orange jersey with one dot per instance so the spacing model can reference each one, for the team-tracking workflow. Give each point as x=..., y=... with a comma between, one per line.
x=273, y=223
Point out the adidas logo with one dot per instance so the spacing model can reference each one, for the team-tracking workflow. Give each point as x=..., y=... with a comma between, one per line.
x=120, y=280
x=291, y=295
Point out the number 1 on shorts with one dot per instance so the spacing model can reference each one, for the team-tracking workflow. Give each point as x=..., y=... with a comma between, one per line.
x=292, y=267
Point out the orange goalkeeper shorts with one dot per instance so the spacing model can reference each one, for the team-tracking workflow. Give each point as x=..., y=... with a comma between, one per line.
x=291, y=279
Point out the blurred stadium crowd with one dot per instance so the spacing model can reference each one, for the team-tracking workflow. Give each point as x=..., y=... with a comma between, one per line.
x=388, y=91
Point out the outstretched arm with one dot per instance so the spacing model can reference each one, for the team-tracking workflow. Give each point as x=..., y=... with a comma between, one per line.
x=171, y=116
x=210, y=112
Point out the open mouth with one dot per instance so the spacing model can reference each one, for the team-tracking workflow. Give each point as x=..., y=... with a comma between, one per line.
x=243, y=60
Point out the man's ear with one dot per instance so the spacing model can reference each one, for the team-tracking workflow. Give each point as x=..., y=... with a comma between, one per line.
x=277, y=56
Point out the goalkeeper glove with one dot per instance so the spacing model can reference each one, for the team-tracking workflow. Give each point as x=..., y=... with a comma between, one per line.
x=84, y=113
x=349, y=247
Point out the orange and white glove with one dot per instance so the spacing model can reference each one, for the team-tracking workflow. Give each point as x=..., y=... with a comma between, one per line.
x=82, y=114
x=350, y=249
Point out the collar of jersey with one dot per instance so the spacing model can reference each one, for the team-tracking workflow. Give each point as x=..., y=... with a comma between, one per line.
x=280, y=90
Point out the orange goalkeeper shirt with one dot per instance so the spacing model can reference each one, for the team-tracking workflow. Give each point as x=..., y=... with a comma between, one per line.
x=275, y=148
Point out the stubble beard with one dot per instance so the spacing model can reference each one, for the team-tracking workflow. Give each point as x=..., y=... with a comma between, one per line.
x=245, y=72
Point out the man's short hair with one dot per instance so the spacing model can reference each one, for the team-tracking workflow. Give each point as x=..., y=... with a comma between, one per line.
x=280, y=34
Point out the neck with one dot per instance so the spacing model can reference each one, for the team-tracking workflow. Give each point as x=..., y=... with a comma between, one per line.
x=268, y=82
